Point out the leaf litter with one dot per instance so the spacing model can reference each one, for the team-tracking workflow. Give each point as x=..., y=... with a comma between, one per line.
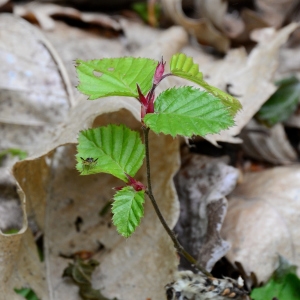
x=50, y=197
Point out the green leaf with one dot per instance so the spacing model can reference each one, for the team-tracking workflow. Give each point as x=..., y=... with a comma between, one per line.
x=184, y=67
x=112, y=149
x=27, y=293
x=187, y=111
x=284, y=284
x=115, y=76
x=288, y=288
x=281, y=104
x=128, y=210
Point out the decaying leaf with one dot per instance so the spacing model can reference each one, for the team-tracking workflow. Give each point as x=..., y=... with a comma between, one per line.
x=202, y=184
x=250, y=79
x=35, y=92
x=263, y=221
x=268, y=144
x=43, y=14
x=70, y=195
x=81, y=274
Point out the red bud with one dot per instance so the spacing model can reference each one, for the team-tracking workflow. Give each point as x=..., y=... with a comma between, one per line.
x=159, y=72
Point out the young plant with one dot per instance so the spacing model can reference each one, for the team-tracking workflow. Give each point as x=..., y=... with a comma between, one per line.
x=119, y=151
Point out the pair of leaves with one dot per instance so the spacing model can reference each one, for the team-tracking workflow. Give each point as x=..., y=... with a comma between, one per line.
x=185, y=111
x=116, y=150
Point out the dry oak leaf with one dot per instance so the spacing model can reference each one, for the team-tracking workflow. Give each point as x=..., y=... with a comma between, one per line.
x=263, y=220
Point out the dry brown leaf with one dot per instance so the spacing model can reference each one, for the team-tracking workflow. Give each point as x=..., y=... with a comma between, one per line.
x=250, y=78
x=202, y=184
x=43, y=13
x=202, y=28
x=35, y=91
x=271, y=145
x=262, y=221
x=70, y=195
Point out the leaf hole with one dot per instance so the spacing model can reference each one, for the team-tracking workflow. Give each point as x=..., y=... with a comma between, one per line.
x=111, y=69
x=97, y=74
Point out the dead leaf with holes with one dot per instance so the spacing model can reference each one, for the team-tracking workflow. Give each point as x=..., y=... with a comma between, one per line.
x=262, y=221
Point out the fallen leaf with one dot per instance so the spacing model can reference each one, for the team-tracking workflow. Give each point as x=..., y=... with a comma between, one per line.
x=268, y=144
x=202, y=184
x=202, y=29
x=249, y=79
x=44, y=13
x=262, y=221
x=84, y=196
x=35, y=90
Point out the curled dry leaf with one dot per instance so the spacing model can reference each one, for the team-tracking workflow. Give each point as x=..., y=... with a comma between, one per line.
x=250, y=79
x=43, y=13
x=202, y=29
x=263, y=221
x=268, y=144
x=35, y=91
x=202, y=184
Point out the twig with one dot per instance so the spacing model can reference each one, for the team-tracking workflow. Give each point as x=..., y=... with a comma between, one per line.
x=171, y=234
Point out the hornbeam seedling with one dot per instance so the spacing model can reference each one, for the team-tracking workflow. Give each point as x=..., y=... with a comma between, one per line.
x=119, y=151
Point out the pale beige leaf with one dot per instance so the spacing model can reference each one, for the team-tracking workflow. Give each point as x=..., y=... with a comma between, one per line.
x=262, y=221
x=268, y=144
x=35, y=91
x=44, y=13
x=250, y=79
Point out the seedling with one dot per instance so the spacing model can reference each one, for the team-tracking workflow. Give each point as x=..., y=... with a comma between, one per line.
x=119, y=151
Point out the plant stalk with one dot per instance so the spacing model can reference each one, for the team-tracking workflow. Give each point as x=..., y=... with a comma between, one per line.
x=171, y=234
